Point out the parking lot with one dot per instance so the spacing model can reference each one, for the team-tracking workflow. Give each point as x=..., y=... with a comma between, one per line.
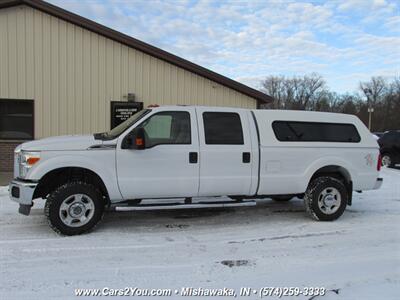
x=271, y=244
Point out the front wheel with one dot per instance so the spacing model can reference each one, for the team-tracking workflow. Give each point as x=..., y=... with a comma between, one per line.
x=326, y=198
x=74, y=208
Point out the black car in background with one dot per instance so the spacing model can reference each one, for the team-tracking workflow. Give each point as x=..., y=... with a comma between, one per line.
x=378, y=134
x=389, y=144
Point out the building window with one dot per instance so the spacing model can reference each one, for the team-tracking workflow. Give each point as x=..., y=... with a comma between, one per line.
x=16, y=119
x=221, y=128
x=291, y=131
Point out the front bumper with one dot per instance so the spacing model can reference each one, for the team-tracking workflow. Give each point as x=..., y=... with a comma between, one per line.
x=378, y=183
x=22, y=193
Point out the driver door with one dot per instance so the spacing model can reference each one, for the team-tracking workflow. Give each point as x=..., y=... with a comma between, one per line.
x=169, y=164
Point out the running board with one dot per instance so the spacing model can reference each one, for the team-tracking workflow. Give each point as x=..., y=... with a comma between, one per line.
x=185, y=206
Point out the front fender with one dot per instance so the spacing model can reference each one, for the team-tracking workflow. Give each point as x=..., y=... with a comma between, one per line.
x=103, y=167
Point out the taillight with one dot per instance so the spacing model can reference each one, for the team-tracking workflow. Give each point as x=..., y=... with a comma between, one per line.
x=379, y=165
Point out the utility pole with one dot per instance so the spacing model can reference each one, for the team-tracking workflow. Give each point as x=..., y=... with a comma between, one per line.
x=370, y=111
x=368, y=92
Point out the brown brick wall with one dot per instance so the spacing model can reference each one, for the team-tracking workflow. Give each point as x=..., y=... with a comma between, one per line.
x=7, y=155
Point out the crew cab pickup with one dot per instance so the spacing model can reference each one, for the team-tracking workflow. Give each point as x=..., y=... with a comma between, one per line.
x=203, y=153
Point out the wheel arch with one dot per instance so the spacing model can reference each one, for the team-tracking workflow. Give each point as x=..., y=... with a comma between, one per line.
x=336, y=171
x=385, y=150
x=56, y=177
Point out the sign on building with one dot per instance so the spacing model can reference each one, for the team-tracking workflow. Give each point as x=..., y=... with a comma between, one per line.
x=122, y=110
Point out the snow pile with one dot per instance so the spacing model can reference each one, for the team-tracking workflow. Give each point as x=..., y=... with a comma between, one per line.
x=271, y=244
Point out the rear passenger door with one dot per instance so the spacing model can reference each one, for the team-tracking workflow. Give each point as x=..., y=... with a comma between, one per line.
x=225, y=152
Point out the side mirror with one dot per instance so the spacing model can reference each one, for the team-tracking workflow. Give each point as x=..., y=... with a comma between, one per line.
x=139, y=139
x=135, y=140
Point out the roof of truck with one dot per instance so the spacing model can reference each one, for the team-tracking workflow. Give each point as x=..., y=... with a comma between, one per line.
x=265, y=117
x=300, y=115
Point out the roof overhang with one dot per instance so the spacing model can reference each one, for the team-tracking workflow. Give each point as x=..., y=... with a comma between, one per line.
x=139, y=45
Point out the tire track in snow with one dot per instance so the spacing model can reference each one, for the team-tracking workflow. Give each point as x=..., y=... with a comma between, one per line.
x=294, y=236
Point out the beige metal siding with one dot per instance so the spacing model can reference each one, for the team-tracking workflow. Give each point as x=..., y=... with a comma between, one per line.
x=73, y=74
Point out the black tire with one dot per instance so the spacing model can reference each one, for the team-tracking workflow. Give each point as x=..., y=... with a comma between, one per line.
x=68, y=190
x=314, y=192
x=283, y=198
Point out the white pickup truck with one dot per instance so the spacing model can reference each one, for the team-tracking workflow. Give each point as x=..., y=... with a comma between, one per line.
x=187, y=152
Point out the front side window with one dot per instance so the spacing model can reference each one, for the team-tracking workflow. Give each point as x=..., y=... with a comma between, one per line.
x=293, y=131
x=169, y=127
x=16, y=119
x=222, y=128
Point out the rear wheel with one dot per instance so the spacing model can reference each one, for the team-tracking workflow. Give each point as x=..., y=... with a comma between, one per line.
x=74, y=208
x=326, y=198
x=387, y=160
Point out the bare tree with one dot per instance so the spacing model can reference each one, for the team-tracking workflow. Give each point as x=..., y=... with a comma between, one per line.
x=381, y=96
x=296, y=92
x=374, y=89
x=275, y=87
x=309, y=92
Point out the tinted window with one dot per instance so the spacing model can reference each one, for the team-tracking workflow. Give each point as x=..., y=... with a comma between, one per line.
x=287, y=131
x=222, y=128
x=16, y=119
x=392, y=135
x=169, y=127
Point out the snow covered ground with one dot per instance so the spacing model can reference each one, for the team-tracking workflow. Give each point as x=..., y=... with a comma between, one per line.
x=271, y=244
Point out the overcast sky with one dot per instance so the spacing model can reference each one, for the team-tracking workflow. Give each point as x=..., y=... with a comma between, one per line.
x=345, y=41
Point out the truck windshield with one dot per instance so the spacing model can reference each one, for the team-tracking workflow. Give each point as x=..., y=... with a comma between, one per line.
x=116, y=131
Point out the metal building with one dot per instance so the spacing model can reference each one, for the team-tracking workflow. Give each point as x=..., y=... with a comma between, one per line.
x=61, y=74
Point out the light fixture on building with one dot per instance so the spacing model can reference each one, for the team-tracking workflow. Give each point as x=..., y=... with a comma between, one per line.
x=131, y=97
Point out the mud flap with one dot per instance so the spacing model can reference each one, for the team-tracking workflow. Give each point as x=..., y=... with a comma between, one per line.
x=350, y=193
x=24, y=209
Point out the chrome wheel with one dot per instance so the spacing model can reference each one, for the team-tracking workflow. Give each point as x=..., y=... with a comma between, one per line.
x=329, y=200
x=386, y=161
x=77, y=210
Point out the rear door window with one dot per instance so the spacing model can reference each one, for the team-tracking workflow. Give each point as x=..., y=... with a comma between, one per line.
x=222, y=128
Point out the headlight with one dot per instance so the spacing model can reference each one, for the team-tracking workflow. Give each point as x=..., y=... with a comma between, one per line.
x=26, y=161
